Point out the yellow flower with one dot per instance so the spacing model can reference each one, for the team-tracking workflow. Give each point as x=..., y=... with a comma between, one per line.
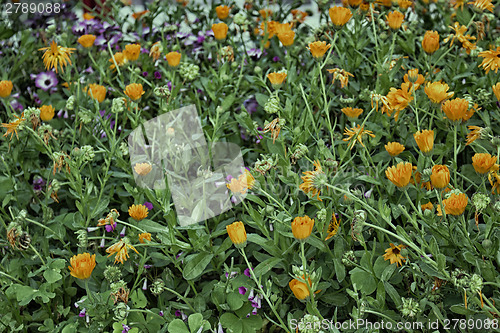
x=12, y=126
x=173, y=58
x=286, y=37
x=143, y=169
x=394, y=254
x=318, y=49
x=341, y=75
x=496, y=90
x=276, y=78
x=132, y=52
x=399, y=99
x=155, y=51
x=395, y=19
x=120, y=248
x=404, y=4
x=333, y=227
x=394, y=148
x=275, y=128
x=144, y=236
x=47, y=112
x=265, y=13
x=222, y=12
x=454, y=205
x=430, y=43
x=491, y=60
x=427, y=206
x=119, y=58
x=440, y=177
x=312, y=180
x=5, y=88
x=138, y=212
x=352, y=113
x=340, y=15
x=459, y=34
x=482, y=5
x=138, y=15
x=494, y=179
x=455, y=109
x=438, y=91
x=220, y=30
x=88, y=16
x=56, y=56
x=96, y=91
x=414, y=78
x=357, y=133
x=82, y=265
x=475, y=133
x=241, y=184
x=237, y=233
x=302, y=227
x=87, y=40
x=400, y=174
x=424, y=140
x=300, y=289
x=483, y=162
x=134, y=91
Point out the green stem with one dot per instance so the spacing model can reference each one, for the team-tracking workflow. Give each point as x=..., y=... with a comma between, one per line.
x=306, y=278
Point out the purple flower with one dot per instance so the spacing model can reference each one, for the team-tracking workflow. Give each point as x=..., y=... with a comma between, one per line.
x=110, y=227
x=276, y=58
x=147, y=266
x=157, y=75
x=247, y=272
x=251, y=104
x=242, y=290
x=122, y=233
x=160, y=313
x=148, y=205
x=232, y=275
x=125, y=328
x=179, y=313
x=219, y=328
x=38, y=184
x=145, y=74
x=82, y=313
x=46, y=80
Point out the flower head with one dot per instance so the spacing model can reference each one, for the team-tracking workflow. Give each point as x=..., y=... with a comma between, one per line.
x=340, y=15
x=424, y=140
x=394, y=254
x=440, y=177
x=313, y=180
x=97, y=92
x=414, y=78
x=118, y=58
x=241, y=184
x=494, y=179
x=222, y=12
x=155, y=51
x=300, y=289
x=333, y=227
x=496, y=90
x=357, y=133
x=134, y=91
x=430, y=43
x=302, y=227
x=341, y=75
x=56, y=56
x=399, y=99
x=82, y=265
x=475, y=133
x=87, y=40
x=143, y=169
x=220, y=30
x=47, y=112
x=144, y=236
x=276, y=78
x=454, y=205
x=132, y=52
x=46, y=80
x=352, y=112
x=482, y=5
x=286, y=37
x=483, y=162
x=5, y=88
x=318, y=49
x=491, y=60
x=121, y=250
x=455, y=109
x=173, y=58
x=394, y=148
x=13, y=126
x=138, y=212
x=395, y=19
x=438, y=91
x=400, y=174
x=237, y=233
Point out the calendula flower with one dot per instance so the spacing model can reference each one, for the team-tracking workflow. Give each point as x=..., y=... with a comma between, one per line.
x=300, y=289
x=352, y=112
x=13, y=126
x=440, y=177
x=340, y=15
x=313, y=180
x=483, y=162
x=424, y=140
x=399, y=99
x=143, y=169
x=241, y=184
x=458, y=4
x=459, y=34
x=394, y=148
x=414, y=78
x=357, y=133
x=400, y=174
x=427, y=206
x=5, y=88
x=97, y=92
x=222, y=12
x=134, y=91
x=395, y=19
x=265, y=13
x=56, y=56
x=491, y=60
x=430, y=43
x=121, y=250
x=155, y=51
x=494, y=179
x=138, y=212
x=333, y=227
x=405, y=4
x=276, y=78
x=119, y=58
x=173, y=58
x=47, y=112
x=438, y=91
x=394, y=254
x=275, y=128
x=475, y=133
x=286, y=38
x=237, y=234
x=144, y=236
x=455, y=109
x=341, y=75
x=87, y=40
x=220, y=30
x=454, y=205
x=318, y=49
x=298, y=15
x=482, y=5
x=379, y=98
x=496, y=90
x=82, y=265
x=302, y=227
x=132, y=52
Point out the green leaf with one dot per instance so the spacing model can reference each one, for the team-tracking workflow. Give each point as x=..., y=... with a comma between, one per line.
x=195, y=321
x=228, y=101
x=52, y=275
x=364, y=281
x=139, y=299
x=151, y=226
x=339, y=269
x=196, y=264
x=234, y=301
x=177, y=326
x=461, y=310
x=266, y=266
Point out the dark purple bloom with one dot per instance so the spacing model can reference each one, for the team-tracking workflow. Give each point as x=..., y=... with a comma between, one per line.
x=251, y=104
x=82, y=313
x=147, y=266
x=46, y=80
x=148, y=205
x=157, y=75
x=38, y=184
x=276, y=58
x=125, y=328
x=110, y=227
x=247, y=272
x=242, y=290
x=160, y=313
x=145, y=74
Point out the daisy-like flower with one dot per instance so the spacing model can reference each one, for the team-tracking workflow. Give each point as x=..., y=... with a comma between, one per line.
x=82, y=265
x=318, y=49
x=475, y=133
x=132, y=51
x=394, y=254
x=438, y=91
x=482, y=5
x=119, y=58
x=46, y=80
x=5, y=88
x=394, y=148
x=457, y=4
x=276, y=79
x=400, y=98
x=341, y=75
x=121, y=250
x=56, y=56
x=340, y=15
x=483, y=162
x=241, y=184
x=454, y=205
x=87, y=40
x=12, y=127
x=491, y=60
x=333, y=227
x=155, y=51
x=459, y=34
x=138, y=212
x=313, y=180
x=379, y=98
x=414, y=78
x=357, y=133
x=496, y=90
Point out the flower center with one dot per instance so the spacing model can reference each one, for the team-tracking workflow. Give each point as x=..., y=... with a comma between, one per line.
x=396, y=251
x=47, y=82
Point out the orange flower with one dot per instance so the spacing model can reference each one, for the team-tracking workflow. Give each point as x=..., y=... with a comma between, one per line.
x=454, y=205
x=237, y=233
x=341, y=75
x=414, y=78
x=494, y=179
x=482, y=5
x=87, y=40
x=491, y=60
x=496, y=90
x=440, y=177
x=265, y=13
x=483, y=162
x=173, y=59
x=120, y=248
x=241, y=184
x=399, y=99
x=302, y=227
x=155, y=51
x=222, y=12
x=220, y=30
x=119, y=58
x=134, y=91
x=404, y=4
x=357, y=133
x=96, y=91
x=424, y=140
x=138, y=212
x=394, y=148
x=300, y=289
x=82, y=265
x=455, y=109
x=286, y=37
x=318, y=49
x=352, y=113
x=400, y=174
x=13, y=126
x=395, y=19
x=437, y=91
x=5, y=88
x=333, y=227
x=475, y=133
x=138, y=15
x=430, y=43
x=299, y=15
x=394, y=254
x=143, y=169
x=47, y=112
x=427, y=206
x=132, y=52
x=56, y=56
x=144, y=236
x=276, y=78
x=339, y=15
x=310, y=180
x=88, y=16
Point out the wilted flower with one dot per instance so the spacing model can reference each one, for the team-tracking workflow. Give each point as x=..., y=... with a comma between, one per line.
x=352, y=112
x=313, y=180
x=357, y=133
x=341, y=75
x=394, y=254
